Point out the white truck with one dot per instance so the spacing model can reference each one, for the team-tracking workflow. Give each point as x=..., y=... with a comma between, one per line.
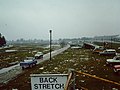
x=38, y=55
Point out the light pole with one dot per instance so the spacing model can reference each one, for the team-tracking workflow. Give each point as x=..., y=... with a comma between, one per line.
x=50, y=43
x=111, y=41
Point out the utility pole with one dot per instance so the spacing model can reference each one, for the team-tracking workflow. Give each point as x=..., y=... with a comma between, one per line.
x=50, y=43
x=111, y=41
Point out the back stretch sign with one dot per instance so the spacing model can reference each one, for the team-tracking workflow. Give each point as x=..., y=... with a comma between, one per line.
x=48, y=81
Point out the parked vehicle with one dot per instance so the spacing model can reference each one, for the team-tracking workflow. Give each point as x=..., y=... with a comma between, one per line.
x=118, y=48
x=98, y=49
x=116, y=68
x=28, y=62
x=76, y=47
x=39, y=55
x=108, y=52
x=114, y=61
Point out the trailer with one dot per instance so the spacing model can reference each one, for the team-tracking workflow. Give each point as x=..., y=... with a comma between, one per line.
x=29, y=62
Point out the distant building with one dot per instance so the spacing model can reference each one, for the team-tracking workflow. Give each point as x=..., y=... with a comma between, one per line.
x=111, y=37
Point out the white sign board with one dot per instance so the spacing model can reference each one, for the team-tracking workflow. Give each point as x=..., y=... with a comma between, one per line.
x=48, y=81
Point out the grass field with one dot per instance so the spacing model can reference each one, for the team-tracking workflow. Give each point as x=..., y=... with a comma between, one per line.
x=22, y=51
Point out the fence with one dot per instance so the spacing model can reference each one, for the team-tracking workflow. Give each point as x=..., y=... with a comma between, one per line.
x=70, y=84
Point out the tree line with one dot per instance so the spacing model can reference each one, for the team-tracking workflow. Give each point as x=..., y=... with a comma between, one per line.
x=2, y=40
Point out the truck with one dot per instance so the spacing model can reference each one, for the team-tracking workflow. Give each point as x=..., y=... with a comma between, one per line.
x=29, y=62
x=106, y=52
x=114, y=61
x=116, y=68
x=38, y=55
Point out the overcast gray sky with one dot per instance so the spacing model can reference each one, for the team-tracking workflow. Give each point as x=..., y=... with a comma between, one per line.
x=31, y=19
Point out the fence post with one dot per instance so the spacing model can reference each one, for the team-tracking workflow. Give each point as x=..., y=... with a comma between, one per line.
x=73, y=76
x=73, y=79
x=68, y=81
